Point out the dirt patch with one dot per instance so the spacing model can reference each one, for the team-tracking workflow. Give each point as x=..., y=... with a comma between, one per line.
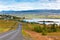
x=38, y=36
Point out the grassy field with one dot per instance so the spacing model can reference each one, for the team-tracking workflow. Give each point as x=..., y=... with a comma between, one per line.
x=28, y=27
x=25, y=34
x=30, y=16
x=6, y=25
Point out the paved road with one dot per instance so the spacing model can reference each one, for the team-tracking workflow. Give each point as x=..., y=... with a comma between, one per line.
x=13, y=35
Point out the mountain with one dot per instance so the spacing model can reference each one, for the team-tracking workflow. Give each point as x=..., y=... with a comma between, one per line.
x=31, y=12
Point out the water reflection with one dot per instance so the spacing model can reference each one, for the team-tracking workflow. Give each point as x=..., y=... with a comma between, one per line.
x=47, y=21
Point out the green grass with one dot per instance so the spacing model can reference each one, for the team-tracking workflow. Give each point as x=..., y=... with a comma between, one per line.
x=25, y=34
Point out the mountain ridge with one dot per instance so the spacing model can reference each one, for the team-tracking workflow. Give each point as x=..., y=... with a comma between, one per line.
x=31, y=12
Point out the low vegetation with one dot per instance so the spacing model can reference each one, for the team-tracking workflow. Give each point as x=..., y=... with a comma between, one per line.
x=6, y=25
x=31, y=16
x=41, y=31
x=41, y=28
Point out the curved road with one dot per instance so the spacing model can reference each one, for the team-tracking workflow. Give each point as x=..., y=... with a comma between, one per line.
x=13, y=35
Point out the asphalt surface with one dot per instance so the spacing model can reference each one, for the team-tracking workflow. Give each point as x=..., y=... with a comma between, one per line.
x=13, y=35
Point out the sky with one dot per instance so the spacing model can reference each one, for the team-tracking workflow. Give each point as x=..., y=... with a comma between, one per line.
x=29, y=4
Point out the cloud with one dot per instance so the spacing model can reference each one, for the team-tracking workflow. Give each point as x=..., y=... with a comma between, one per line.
x=16, y=6
x=29, y=5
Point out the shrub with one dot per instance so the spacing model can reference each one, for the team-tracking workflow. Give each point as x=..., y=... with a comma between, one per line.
x=44, y=32
x=53, y=28
x=38, y=29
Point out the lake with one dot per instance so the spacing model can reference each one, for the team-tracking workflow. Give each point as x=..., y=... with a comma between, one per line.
x=51, y=21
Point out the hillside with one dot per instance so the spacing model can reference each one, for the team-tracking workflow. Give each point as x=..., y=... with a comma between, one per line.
x=31, y=12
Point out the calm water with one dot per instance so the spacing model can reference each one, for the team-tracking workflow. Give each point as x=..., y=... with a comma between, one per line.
x=57, y=21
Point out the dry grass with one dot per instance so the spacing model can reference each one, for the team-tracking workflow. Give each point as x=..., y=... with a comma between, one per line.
x=54, y=34
x=6, y=25
x=28, y=27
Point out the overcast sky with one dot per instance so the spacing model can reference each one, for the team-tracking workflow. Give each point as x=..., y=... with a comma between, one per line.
x=29, y=4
